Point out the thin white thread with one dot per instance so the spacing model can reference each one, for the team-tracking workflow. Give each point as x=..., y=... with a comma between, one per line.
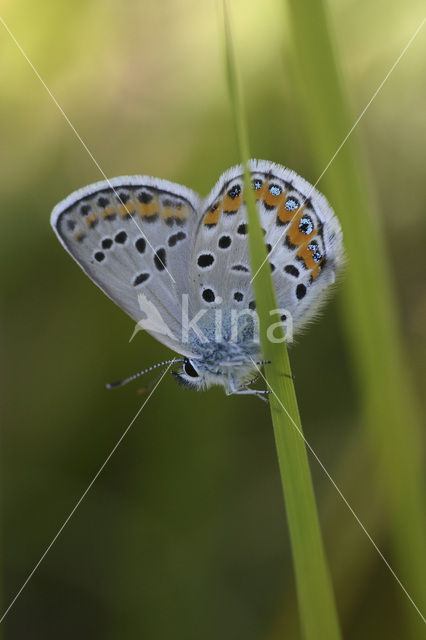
x=341, y=495
x=83, y=495
x=343, y=142
x=79, y=137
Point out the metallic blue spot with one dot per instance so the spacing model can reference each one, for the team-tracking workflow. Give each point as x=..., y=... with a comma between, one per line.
x=291, y=204
x=257, y=184
x=306, y=225
x=275, y=190
x=316, y=253
x=234, y=191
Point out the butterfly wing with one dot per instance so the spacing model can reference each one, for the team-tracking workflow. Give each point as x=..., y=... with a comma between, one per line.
x=301, y=232
x=132, y=236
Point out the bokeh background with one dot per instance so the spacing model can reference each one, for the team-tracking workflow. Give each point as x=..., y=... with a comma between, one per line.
x=184, y=533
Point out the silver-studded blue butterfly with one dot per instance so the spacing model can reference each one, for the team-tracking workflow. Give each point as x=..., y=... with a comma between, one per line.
x=179, y=265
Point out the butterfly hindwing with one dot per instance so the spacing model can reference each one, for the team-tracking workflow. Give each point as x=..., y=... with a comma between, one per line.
x=301, y=232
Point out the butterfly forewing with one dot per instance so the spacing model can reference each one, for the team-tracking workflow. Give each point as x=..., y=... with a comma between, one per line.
x=132, y=236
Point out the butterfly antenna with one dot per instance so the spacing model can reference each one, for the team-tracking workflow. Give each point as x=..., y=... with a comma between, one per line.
x=121, y=383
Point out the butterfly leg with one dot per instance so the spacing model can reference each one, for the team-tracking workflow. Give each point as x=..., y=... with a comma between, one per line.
x=244, y=390
x=249, y=382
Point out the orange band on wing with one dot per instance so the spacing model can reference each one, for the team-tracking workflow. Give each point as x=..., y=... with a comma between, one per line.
x=91, y=220
x=261, y=192
x=283, y=214
x=231, y=205
x=126, y=209
x=273, y=201
x=79, y=236
x=109, y=212
x=147, y=209
x=306, y=254
x=213, y=214
x=295, y=236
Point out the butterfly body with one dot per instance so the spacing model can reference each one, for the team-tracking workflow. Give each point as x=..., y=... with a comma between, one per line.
x=226, y=364
x=180, y=267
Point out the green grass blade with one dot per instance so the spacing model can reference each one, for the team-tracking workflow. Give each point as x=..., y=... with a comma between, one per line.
x=315, y=593
x=392, y=417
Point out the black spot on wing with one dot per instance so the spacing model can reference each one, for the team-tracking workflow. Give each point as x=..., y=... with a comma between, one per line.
x=123, y=197
x=300, y=291
x=292, y=270
x=144, y=197
x=224, y=242
x=106, y=243
x=142, y=277
x=208, y=295
x=160, y=259
x=85, y=209
x=151, y=219
x=175, y=238
x=102, y=202
x=205, y=260
x=121, y=237
x=140, y=245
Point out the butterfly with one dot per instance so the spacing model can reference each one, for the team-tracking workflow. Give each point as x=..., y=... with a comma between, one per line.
x=179, y=265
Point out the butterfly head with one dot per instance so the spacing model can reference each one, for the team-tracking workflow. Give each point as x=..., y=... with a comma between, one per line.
x=199, y=374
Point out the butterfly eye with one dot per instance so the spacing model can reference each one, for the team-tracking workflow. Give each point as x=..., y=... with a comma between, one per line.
x=189, y=369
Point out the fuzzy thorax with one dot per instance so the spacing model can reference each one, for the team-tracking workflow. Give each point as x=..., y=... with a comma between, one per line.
x=225, y=364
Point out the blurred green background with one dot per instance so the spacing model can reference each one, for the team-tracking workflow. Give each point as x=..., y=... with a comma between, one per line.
x=184, y=533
